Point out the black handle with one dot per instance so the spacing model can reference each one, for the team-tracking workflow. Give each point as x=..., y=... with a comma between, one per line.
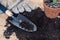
x=3, y=8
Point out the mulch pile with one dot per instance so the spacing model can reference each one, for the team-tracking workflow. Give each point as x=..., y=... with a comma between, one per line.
x=48, y=29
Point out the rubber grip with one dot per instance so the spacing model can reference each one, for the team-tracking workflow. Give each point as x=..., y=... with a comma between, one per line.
x=2, y=8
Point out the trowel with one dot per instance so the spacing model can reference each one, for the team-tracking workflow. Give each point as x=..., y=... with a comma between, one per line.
x=16, y=21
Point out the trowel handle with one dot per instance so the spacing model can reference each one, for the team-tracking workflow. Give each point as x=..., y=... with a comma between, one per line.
x=5, y=10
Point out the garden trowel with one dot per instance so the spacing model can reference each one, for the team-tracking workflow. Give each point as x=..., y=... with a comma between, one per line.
x=19, y=20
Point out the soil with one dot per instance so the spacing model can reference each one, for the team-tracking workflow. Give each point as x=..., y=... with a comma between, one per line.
x=50, y=4
x=48, y=29
x=26, y=25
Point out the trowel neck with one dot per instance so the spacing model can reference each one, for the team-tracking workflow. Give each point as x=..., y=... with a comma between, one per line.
x=5, y=10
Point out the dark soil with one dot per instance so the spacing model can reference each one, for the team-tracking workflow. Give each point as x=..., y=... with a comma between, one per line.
x=26, y=25
x=48, y=29
x=50, y=4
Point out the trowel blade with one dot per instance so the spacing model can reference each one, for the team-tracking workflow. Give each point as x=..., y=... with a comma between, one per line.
x=20, y=18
